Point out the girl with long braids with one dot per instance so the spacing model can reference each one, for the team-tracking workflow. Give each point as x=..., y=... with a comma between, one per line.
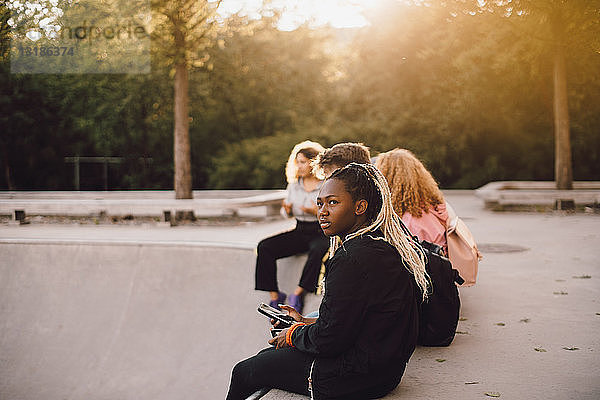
x=367, y=327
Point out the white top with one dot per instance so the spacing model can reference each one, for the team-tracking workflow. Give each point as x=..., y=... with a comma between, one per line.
x=298, y=196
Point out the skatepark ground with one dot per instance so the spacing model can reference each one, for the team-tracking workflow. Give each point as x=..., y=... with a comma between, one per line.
x=157, y=312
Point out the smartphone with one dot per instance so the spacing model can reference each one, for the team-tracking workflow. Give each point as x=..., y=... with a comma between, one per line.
x=285, y=320
x=275, y=331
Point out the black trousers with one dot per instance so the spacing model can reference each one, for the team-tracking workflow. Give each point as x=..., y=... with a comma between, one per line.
x=288, y=369
x=306, y=237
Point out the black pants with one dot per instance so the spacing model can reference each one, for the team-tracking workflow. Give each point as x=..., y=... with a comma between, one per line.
x=306, y=237
x=288, y=369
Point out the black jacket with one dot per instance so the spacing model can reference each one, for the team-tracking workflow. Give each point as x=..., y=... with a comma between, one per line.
x=368, y=319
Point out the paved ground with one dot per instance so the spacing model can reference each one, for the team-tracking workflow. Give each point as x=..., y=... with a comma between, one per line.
x=153, y=312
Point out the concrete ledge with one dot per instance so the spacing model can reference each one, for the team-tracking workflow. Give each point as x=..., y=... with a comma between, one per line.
x=133, y=242
x=139, y=203
x=258, y=394
x=503, y=194
x=130, y=194
x=276, y=394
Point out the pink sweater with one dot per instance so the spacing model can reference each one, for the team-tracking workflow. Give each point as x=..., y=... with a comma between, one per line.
x=431, y=226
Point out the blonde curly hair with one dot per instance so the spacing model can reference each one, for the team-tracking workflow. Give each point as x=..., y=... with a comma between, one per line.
x=413, y=188
x=309, y=149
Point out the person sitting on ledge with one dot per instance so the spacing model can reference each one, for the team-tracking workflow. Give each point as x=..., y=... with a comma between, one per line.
x=340, y=155
x=368, y=319
x=416, y=196
x=336, y=157
x=307, y=236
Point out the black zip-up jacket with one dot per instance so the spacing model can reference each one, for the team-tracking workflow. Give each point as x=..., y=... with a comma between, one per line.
x=368, y=318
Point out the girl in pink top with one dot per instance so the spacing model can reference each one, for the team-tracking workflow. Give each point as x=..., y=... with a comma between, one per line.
x=415, y=195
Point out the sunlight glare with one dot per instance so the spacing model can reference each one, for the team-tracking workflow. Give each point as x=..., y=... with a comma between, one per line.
x=336, y=13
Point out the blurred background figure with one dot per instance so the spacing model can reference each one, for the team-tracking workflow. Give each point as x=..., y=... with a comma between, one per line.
x=340, y=155
x=415, y=195
x=300, y=203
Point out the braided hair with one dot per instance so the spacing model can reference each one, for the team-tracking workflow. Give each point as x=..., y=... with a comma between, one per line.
x=364, y=181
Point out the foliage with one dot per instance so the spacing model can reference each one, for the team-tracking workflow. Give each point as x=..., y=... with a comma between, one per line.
x=464, y=92
x=256, y=163
x=468, y=91
x=259, y=82
x=183, y=29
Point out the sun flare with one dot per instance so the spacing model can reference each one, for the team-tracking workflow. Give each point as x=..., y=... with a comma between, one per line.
x=336, y=13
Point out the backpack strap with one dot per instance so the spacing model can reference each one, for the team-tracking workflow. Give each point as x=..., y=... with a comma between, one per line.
x=452, y=218
x=457, y=278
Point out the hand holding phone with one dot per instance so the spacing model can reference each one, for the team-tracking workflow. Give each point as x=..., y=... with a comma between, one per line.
x=285, y=320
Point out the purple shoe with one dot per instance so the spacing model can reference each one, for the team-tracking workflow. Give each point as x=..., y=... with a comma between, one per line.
x=280, y=300
x=297, y=302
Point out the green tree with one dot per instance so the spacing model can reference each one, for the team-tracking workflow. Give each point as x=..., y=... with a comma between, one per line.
x=260, y=83
x=183, y=29
x=256, y=163
x=561, y=25
x=464, y=91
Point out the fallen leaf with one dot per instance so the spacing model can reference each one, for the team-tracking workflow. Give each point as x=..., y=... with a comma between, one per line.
x=501, y=324
x=472, y=383
x=561, y=293
x=526, y=320
x=462, y=319
x=582, y=277
x=492, y=394
x=541, y=350
x=440, y=360
x=462, y=333
x=572, y=348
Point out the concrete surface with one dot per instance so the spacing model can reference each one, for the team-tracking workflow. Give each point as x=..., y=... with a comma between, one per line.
x=132, y=312
x=117, y=312
x=152, y=203
x=504, y=194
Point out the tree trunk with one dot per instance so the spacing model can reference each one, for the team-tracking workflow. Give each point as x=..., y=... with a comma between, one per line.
x=181, y=151
x=563, y=169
